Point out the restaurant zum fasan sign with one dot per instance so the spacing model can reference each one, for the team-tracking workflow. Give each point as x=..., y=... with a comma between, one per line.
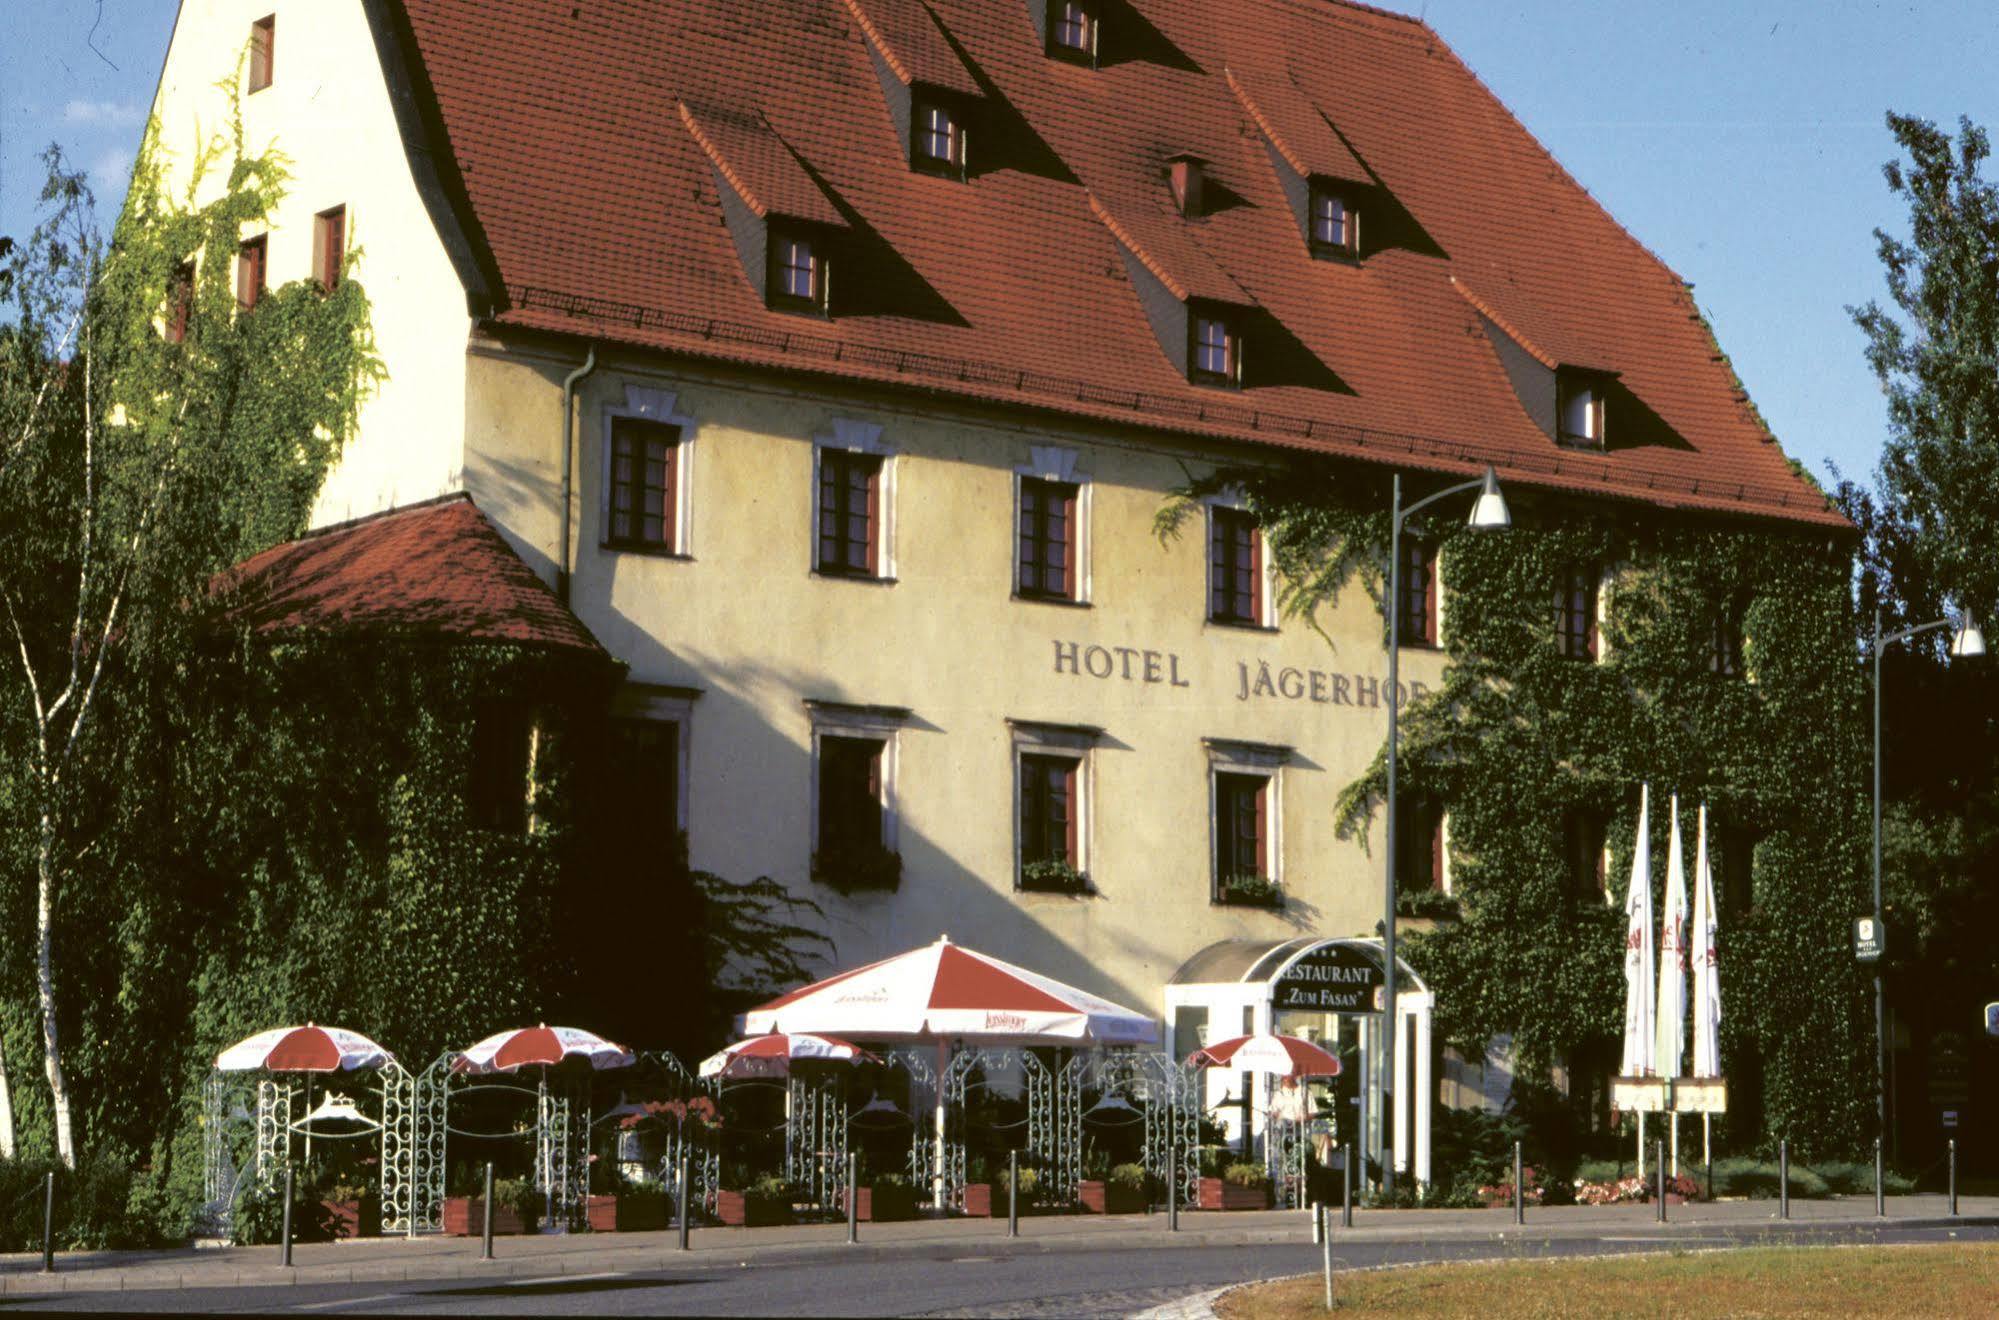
x=1250, y=682
x=1333, y=978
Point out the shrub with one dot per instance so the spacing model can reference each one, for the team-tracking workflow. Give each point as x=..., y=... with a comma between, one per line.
x=1251, y=890
x=1131, y=1176
x=1054, y=877
x=1246, y=1175
x=259, y=1215
x=1757, y=1179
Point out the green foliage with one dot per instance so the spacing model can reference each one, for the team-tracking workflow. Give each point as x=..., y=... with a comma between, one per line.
x=1131, y=1177
x=521, y=1196
x=1054, y=876
x=1242, y=1174
x=1251, y=890
x=1517, y=736
x=1433, y=904
x=858, y=867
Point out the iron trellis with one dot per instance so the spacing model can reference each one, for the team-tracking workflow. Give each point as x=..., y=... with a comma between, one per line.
x=815, y=1135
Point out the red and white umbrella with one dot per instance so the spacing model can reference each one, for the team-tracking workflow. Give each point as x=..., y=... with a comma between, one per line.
x=773, y=1055
x=542, y=1046
x=945, y=991
x=309, y=1049
x=1283, y=1056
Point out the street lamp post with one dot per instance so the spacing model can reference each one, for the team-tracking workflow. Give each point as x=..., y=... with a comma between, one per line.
x=1488, y=512
x=1969, y=642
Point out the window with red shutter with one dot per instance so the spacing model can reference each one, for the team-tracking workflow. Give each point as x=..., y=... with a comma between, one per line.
x=1583, y=834
x=1575, y=613
x=250, y=261
x=849, y=513
x=850, y=795
x=263, y=51
x=1417, y=583
x=1050, y=812
x=644, y=486
x=1047, y=539
x=1242, y=826
x=329, y=246
x=1235, y=578
x=180, y=302
x=1419, y=850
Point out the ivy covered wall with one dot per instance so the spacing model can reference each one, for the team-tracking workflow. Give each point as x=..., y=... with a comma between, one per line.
x=1519, y=736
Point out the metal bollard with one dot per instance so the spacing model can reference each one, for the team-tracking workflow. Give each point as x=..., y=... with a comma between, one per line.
x=1346, y=1188
x=1953, y=1177
x=49, y=1224
x=1013, y=1193
x=486, y=1230
x=285, y=1236
x=1172, y=1189
x=1519, y=1192
x=1659, y=1173
x=1326, y=1247
x=853, y=1199
x=1783, y=1180
x=1318, y=1223
x=1880, y=1200
x=685, y=1227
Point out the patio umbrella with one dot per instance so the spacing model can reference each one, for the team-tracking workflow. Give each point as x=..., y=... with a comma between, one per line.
x=772, y=1055
x=943, y=992
x=541, y=1046
x=1283, y=1056
x=306, y=1049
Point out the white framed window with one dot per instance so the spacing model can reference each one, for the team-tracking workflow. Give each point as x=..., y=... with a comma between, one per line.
x=853, y=502
x=646, y=475
x=856, y=822
x=1246, y=822
x=1053, y=795
x=1335, y=223
x=1051, y=542
x=1582, y=405
x=1240, y=575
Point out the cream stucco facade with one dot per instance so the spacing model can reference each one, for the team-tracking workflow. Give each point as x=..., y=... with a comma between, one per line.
x=743, y=642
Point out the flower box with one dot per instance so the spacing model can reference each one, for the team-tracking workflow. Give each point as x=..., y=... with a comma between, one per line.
x=1109, y=1198
x=979, y=1200
x=1221, y=1194
x=354, y=1219
x=885, y=1204
x=465, y=1216
x=626, y=1214
x=744, y=1210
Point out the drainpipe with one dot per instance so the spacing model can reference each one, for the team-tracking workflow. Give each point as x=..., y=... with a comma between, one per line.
x=569, y=466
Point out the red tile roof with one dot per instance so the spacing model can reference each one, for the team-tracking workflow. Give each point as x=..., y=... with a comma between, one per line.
x=602, y=215
x=437, y=569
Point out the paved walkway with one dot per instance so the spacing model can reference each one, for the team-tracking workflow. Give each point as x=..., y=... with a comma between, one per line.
x=396, y=1260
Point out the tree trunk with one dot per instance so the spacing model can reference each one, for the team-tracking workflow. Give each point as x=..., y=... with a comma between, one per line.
x=45, y=975
x=6, y=1109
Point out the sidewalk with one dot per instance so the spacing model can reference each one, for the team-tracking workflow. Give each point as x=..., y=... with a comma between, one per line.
x=397, y=1260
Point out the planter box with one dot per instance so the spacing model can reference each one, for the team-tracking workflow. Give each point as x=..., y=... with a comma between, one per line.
x=354, y=1219
x=1220, y=1194
x=741, y=1210
x=979, y=1200
x=1107, y=1198
x=626, y=1214
x=884, y=1205
x=465, y=1216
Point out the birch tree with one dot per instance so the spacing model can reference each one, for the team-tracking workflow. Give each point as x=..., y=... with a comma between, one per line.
x=155, y=432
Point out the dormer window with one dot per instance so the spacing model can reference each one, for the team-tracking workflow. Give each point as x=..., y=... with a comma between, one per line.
x=797, y=272
x=939, y=141
x=1582, y=410
x=1335, y=228
x=1215, y=356
x=1072, y=30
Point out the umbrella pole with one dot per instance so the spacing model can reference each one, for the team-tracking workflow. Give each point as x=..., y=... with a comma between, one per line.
x=308, y=1120
x=937, y=1159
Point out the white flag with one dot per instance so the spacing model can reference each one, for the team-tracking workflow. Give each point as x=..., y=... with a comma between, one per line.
x=1672, y=1023
x=1638, y=978
x=1707, y=971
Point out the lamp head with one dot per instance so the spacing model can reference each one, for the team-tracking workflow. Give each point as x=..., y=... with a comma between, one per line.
x=1489, y=512
x=1970, y=639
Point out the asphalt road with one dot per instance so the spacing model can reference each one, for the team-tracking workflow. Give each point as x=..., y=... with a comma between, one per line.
x=947, y=1281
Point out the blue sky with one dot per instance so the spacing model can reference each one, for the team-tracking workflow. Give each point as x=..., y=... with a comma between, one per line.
x=1740, y=140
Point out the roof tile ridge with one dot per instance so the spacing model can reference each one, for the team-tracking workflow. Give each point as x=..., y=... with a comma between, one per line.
x=1137, y=249
x=1554, y=162
x=382, y=515
x=1262, y=122
x=1513, y=332
x=1358, y=7
x=721, y=162
x=879, y=40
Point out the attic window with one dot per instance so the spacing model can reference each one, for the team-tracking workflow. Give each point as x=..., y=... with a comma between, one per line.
x=939, y=141
x=797, y=272
x=1072, y=30
x=1581, y=410
x=1215, y=351
x=1335, y=224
